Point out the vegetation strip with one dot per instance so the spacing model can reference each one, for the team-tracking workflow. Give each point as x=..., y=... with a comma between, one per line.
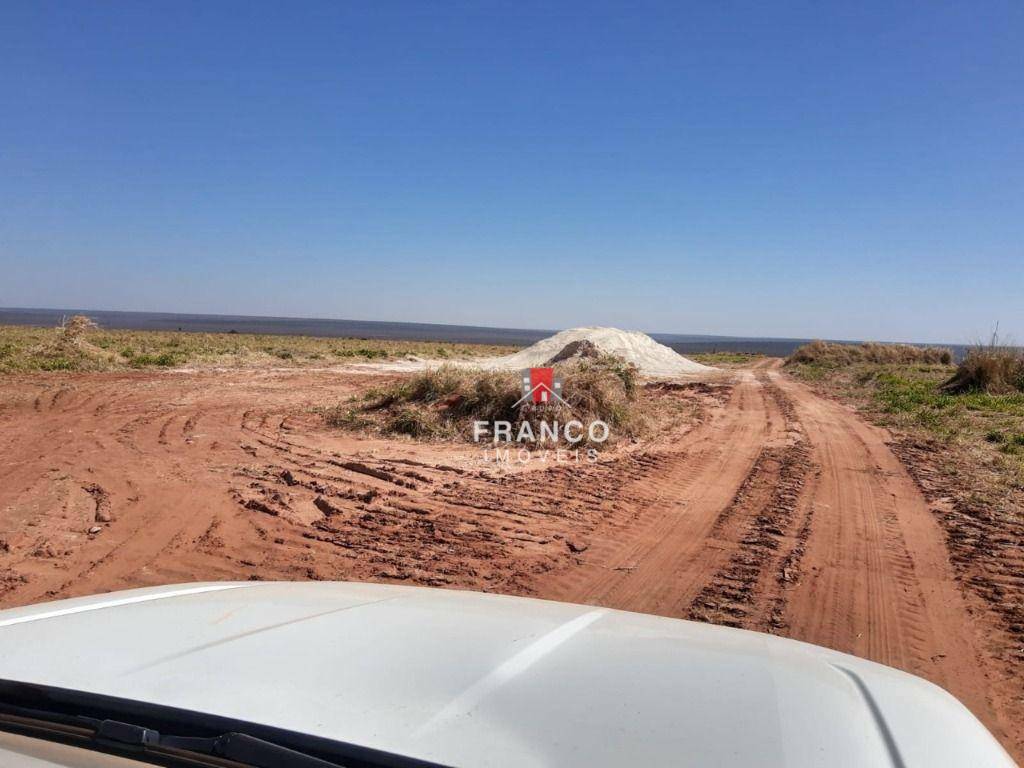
x=78, y=345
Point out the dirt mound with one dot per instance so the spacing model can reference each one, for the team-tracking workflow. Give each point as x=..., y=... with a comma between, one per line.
x=633, y=347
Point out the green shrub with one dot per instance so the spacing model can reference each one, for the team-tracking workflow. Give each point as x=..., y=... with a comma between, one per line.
x=164, y=360
x=995, y=436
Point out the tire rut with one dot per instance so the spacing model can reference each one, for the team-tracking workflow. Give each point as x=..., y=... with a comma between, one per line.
x=771, y=525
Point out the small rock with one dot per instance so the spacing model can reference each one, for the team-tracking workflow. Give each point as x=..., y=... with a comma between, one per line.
x=575, y=546
x=95, y=529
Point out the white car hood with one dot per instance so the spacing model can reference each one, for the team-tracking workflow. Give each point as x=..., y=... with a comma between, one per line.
x=472, y=679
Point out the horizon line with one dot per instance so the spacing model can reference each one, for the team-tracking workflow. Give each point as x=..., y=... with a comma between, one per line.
x=307, y=318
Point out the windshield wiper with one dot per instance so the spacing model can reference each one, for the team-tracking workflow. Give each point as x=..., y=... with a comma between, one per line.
x=239, y=747
x=138, y=741
x=174, y=737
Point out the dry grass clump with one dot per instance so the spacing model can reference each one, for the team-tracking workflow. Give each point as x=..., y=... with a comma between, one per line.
x=835, y=355
x=74, y=328
x=991, y=368
x=444, y=402
x=70, y=348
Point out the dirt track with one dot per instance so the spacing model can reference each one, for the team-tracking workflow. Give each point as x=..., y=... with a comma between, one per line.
x=778, y=511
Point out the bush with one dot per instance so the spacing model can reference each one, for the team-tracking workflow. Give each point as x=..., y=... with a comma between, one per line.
x=996, y=370
x=446, y=401
x=835, y=354
x=76, y=327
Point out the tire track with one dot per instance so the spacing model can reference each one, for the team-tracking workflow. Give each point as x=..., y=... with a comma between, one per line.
x=749, y=590
x=876, y=579
x=658, y=558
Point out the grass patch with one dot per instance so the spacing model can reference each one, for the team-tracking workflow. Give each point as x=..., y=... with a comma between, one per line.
x=163, y=360
x=368, y=353
x=57, y=364
x=443, y=403
x=87, y=348
x=833, y=355
x=344, y=417
x=725, y=358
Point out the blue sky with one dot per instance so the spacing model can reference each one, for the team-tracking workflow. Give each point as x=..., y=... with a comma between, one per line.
x=844, y=170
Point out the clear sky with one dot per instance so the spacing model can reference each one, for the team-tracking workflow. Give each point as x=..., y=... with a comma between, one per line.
x=844, y=169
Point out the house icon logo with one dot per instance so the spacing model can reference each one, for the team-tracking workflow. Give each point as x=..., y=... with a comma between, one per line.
x=541, y=386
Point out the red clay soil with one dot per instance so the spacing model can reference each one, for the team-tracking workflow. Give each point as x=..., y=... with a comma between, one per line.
x=778, y=511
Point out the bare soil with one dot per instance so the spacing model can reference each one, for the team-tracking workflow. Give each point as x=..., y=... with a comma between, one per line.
x=772, y=509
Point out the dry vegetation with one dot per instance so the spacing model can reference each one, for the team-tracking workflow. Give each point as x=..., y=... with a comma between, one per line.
x=443, y=403
x=80, y=346
x=993, y=369
x=828, y=353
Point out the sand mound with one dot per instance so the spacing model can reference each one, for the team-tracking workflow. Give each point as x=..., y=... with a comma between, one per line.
x=650, y=357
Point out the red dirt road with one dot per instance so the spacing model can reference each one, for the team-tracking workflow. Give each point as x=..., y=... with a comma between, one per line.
x=778, y=511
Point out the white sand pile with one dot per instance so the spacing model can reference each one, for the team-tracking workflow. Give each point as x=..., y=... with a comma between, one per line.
x=650, y=357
